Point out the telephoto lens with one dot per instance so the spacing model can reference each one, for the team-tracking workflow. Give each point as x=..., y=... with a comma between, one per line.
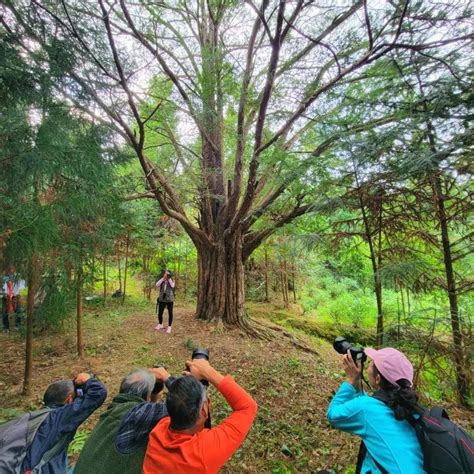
x=342, y=345
x=158, y=385
x=200, y=353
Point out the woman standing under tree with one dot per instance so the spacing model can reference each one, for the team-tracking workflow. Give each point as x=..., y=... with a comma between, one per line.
x=166, y=287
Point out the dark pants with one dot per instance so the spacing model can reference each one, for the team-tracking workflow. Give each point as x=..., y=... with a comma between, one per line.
x=16, y=309
x=161, y=309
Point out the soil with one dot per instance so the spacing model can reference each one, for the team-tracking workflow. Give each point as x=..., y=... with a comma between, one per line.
x=292, y=387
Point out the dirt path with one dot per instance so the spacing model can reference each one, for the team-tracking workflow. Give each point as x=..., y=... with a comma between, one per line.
x=292, y=388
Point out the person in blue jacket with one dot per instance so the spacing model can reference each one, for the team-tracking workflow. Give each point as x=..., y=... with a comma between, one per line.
x=71, y=402
x=389, y=442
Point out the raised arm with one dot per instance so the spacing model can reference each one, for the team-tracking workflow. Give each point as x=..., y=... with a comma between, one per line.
x=221, y=442
x=94, y=394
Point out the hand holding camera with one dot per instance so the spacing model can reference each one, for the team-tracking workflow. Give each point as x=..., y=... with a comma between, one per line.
x=160, y=373
x=200, y=368
x=161, y=376
x=79, y=381
x=352, y=361
x=81, y=378
x=353, y=370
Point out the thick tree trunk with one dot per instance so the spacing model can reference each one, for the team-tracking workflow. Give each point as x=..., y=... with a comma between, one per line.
x=221, y=291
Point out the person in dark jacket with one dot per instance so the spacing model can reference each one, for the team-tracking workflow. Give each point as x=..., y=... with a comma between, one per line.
x=118, y=442
x=71, y=402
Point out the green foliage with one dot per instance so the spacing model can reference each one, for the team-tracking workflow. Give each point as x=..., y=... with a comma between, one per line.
x=76, y=445
x=7, y=414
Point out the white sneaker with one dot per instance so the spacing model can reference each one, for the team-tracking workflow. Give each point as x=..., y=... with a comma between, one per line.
x=159, y=326
x=168, y=331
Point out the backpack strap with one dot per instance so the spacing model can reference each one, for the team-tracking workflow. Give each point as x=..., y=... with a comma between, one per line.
x=360, y=459
x=61, y=444
x=438, y=413
x=34, y=422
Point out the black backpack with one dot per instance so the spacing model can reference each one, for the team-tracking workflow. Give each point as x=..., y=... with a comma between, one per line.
x=447, y=449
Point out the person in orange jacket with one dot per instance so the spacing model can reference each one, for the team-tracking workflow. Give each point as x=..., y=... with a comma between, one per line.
x=180, y=443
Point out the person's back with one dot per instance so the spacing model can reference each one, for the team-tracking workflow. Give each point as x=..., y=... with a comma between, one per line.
x=99, y=454
x=59, y=427
x=180, y=447
x=118, y=442
x=391, y=442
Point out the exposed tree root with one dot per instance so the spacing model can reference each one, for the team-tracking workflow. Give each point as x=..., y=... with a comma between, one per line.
x=269, y=331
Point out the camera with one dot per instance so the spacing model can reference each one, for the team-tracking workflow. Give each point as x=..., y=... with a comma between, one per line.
x=200, y=353
x=158, y=385
x=78, y=390
x=342, y=345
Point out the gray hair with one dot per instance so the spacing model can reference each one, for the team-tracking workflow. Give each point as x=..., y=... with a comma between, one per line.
x=138, y=382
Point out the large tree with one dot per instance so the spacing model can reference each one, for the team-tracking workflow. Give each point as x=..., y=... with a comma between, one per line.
x=250, y=82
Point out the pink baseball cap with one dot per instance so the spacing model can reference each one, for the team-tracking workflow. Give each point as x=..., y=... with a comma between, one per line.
x=392, y=364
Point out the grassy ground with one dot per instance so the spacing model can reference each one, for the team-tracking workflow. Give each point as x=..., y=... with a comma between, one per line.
x=292, y=387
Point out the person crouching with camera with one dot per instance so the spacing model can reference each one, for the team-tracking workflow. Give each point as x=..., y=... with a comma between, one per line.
x=389, y=443
x=180, y=443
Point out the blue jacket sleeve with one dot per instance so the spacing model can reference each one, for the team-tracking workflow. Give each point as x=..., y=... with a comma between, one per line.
x=82, y=407
x=346, y=410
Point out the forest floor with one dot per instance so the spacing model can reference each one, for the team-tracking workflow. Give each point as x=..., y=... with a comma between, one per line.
x=292, y=387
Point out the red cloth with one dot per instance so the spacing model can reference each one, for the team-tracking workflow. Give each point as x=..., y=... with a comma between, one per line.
x=207, y=451
x=10, y=308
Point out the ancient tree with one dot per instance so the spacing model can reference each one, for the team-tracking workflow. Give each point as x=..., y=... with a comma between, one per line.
x=252, y=83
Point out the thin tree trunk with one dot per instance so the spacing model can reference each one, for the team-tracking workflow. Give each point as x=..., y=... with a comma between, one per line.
x=408, y=303
x=267, y=299
x=293, y=277
x=284, y=283
x=373, y=259
x=104, y=274
x=185, y=274
x=462, y=378
x=403, y=303
x=398, y=319
x=126, y=267
x=119, y=273
x=380, y=321
x=93, y=273
x=69, y=271
x=33, y=272
x=79, y=310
